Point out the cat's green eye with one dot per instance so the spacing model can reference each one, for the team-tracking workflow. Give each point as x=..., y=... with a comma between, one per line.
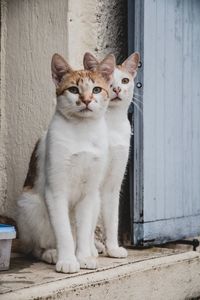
x=125, y=80
x=97, y=90
x=73, y=90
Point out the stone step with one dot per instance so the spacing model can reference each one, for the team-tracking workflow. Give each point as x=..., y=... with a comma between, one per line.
x=155, y=273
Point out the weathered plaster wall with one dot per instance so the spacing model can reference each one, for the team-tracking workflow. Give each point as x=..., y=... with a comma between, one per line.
x=31, y=32
x=99, y=26
x=82, y=29
x=3, y=177
x=112, y=30
x=35, y=30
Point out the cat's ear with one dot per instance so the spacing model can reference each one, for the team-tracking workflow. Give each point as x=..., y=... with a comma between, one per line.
x=131, y=63
x=90, y=62
x=106, y=66
x=59, y=67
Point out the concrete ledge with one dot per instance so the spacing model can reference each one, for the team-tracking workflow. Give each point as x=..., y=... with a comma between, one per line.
x=167, y=276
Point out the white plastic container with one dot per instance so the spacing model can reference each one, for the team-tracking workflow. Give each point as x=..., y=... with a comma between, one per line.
x=7, y=233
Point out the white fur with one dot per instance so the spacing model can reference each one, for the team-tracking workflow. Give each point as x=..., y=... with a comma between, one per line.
x=119, y=139
x=71, y=164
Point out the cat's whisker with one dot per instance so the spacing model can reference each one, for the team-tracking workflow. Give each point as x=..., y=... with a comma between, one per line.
x=137, y=106
x=138, y=95
x=137, y=100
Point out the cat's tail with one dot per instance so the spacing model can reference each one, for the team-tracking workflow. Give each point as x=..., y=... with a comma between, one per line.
x=35, y=231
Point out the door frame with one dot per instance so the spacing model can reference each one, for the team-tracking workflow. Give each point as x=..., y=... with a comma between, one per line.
x=136, y=43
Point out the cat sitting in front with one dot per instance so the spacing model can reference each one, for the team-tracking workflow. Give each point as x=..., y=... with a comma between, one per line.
x=78, y=163
x=66, y=169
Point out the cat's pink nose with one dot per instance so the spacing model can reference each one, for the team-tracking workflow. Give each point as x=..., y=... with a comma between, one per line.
x=86, y=101
x=86, y=98
x=117, y=90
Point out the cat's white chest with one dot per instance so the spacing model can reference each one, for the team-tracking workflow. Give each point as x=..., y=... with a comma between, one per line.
x=85, y=167
x=81, y=156
x=118, y=128
x=119, y=140
x=82, y=161
x=119, y=134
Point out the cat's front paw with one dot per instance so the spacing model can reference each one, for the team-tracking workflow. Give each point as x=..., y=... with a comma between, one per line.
x=100, y=247
x=68, y=266
x=89, y=262
x=118, y=252
x=94, y=251
x=49, y=256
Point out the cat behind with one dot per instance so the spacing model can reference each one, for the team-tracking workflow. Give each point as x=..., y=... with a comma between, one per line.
x=121, y=94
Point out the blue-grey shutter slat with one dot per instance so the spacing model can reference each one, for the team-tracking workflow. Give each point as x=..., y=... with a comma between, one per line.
x=171, y=119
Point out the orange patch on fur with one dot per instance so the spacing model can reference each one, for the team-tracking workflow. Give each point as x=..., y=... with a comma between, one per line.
x=32, y=170
x=78, y=77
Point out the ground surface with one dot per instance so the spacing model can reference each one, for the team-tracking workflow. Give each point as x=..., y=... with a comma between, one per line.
x=30, y=279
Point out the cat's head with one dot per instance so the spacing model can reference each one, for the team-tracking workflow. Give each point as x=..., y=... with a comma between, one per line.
x=82, y=93
x=122, y=83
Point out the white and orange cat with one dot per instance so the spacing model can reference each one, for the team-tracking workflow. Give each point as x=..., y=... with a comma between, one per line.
x=61, y=190
x=121, y=94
